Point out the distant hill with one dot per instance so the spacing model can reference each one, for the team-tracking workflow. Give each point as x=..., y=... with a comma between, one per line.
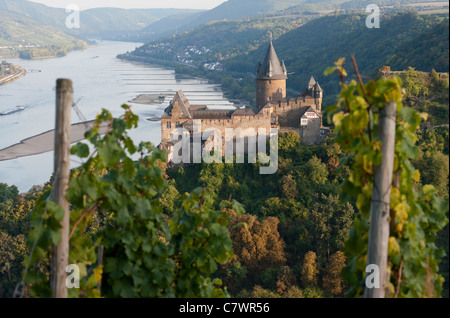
x=29, y=38
x=98, y=22
x=238, y=9
x=229, y=10
x=218, y=40
x=319, y=5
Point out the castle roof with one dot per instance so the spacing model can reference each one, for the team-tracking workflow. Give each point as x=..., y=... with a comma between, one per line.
x=183, y=102
x=244, y=112
x=312, y=82
x=271, y=68
x=212, y=114
x=318, y=88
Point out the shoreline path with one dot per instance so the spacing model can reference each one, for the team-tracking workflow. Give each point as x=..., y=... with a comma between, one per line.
x=45, y=142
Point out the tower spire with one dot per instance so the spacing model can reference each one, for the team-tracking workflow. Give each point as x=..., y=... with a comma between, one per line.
x=271, y=68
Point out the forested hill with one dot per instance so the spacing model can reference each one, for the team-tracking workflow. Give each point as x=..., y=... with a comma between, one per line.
x=402, y=40
x=218, y=40
x=29, y=38
x=97, y=22
x=229, y=10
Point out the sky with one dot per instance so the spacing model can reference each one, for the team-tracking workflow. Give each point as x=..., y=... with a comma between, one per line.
x=87, y=4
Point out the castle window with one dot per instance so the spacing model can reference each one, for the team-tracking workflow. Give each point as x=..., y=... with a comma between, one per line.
x=169, y=125
x=270, y=98
x=177, y=124
x=270, y=82
x=304, y=122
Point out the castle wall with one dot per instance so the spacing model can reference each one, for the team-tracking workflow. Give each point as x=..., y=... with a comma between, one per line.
x=260, y=120
x=310, y=134
x=289, y=111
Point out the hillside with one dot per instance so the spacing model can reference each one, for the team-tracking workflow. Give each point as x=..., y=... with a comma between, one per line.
x=99, y=22
x=308, y=50
x=229, y=10
x=238, y=9
x=319, y=5
x=28, y=38
x=217, y=41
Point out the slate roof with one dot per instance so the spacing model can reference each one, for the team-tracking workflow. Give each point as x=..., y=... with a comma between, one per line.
x=318, y=88
x=271, y=68
x=312, y=82
x=244, y=112
x=183, y=102
x=212, y=114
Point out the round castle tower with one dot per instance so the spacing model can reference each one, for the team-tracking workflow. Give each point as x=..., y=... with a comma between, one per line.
x=271, y=78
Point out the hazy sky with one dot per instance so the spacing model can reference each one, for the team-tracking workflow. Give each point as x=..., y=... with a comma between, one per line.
x=86, y=4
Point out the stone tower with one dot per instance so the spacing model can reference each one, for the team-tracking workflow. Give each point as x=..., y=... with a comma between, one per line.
x=271, y=78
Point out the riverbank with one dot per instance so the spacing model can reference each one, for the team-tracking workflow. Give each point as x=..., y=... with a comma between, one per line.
x=45, y=142
x=11, y=78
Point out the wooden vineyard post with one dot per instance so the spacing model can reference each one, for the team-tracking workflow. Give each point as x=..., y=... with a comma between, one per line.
x=60, y=255
x=377, y=253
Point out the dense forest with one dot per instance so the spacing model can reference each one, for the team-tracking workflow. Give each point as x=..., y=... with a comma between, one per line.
x=296, y=224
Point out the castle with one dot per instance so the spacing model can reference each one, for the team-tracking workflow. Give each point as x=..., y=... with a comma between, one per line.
x=302, y=114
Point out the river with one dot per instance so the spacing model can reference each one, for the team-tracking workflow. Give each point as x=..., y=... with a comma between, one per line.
x=100, y=80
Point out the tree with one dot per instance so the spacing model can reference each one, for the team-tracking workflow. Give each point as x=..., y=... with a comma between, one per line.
x=310, y=271
x=288, y=187
x=286, y=280
x=14, y=226
x=332, y=281
x=258, y=292
x=330, y=222
x=315, y=170
x=434, y=170
x=288, y=142
x=169, y=198
x=256, y=244
x=8, y=192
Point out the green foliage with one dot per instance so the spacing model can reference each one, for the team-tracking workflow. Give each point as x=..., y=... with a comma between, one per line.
x=14, y=227
x=434, y=140
x=416, y=214
x=313, y=292
x=434, y=169
x=329, y=224
x=115, y=202
x=316, y=171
